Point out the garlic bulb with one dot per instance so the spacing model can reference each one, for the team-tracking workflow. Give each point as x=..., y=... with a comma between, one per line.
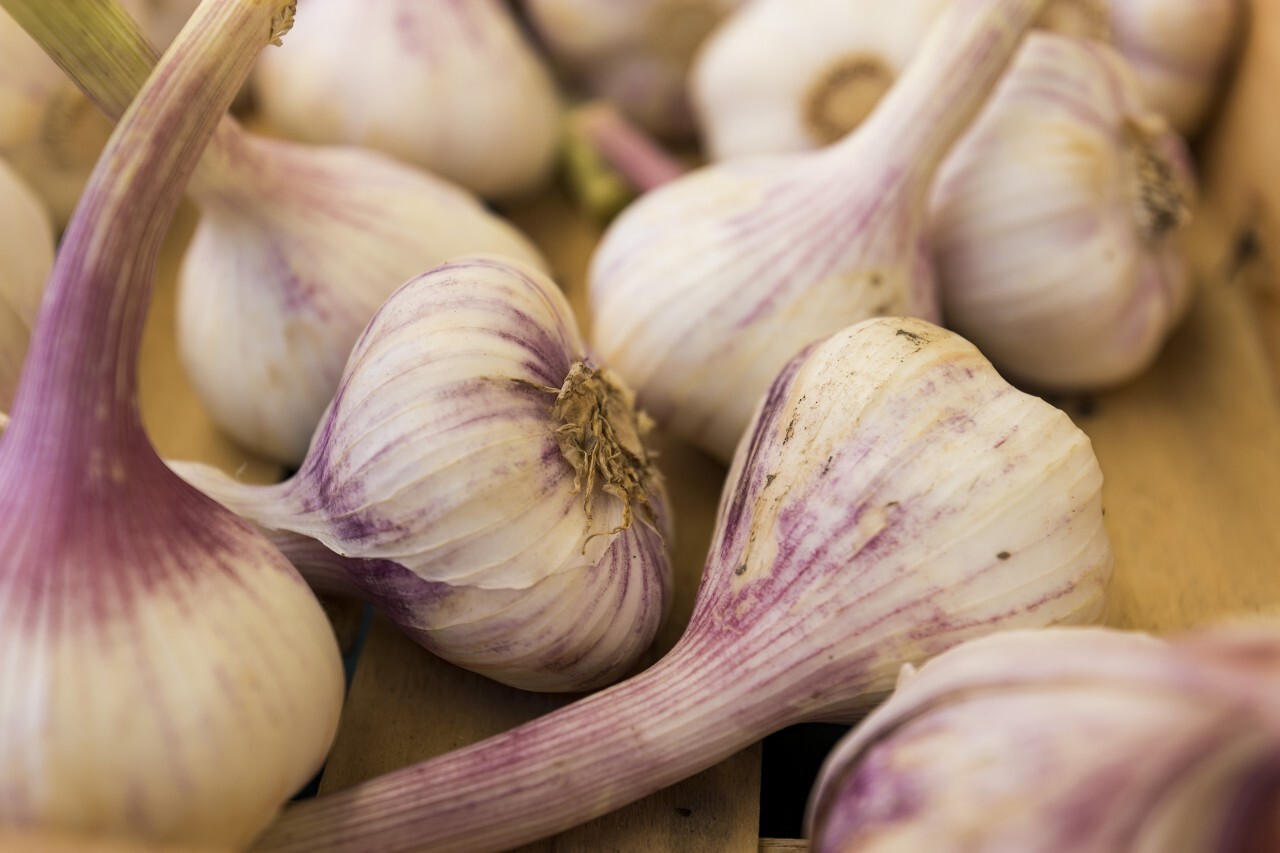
x=340, y=229
x=26, y=257
x=165, y=675
x=635, y=54
x=704, y=288
x=452, y=87
x=490, y=481
x=829, y=62
x=298, y=245
x=895, y=498
x=1055, y=221
x=1179, y=49
x=1067, y=739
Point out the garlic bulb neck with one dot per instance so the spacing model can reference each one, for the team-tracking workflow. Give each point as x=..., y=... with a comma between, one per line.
x=844, y=94
x=1160, y=192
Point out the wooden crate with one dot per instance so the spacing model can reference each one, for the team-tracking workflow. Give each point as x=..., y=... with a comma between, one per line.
x=1191, y=455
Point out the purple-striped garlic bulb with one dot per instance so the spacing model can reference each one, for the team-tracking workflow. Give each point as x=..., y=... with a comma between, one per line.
x=704, y=288
x=452, y=87
x=488, y=482
x=1056, y=221
x=166, y=677
x=26, y=257
x=296, y=247
x=1070, y=739
x=895, y=498
x=635, y=54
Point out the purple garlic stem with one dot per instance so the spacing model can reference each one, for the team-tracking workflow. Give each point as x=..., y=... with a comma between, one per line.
x=635, y=155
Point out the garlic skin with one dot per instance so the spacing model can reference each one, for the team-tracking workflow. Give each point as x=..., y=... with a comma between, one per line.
x=450, y=469
x=340, y=229
x=828, y=62
x=635, y=54
x=26, y=257
x=1067, y=739
x=451, y=87
x=704, y=288
x=1178, y=49
x=1055, y=221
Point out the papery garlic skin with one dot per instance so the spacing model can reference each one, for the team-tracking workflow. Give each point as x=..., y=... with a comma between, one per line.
x=702, y=289
x=1066, y=739
x=452, y=87
x=438, y=469
x=181, y=651
x=1179, y=49
x=340, y=229
x=1056, y=221
x=636, y=54
x=26, y=257
x=828, y=62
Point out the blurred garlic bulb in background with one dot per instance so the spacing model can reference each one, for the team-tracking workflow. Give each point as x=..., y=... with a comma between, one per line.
x=452, y=87
x=635, y=54
x=829, y=63
x=830, y=60
x=1067, y=739
x=1055, y=221
x=26, y=258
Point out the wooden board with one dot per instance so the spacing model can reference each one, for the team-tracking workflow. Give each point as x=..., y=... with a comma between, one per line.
x=1191, y=454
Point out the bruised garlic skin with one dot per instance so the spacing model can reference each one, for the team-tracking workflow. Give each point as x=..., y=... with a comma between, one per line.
x=829, y=63
x=1067, y=739
x=26, y=257
x=339, y=229
x=1055, y=221
x=636, y=54
x=894, y=498
x=704, y=288
x=489, y=481
x=452, y=87
x=1179, y=49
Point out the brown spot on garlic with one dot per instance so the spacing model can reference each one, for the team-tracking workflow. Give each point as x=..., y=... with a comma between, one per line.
x=843, y=95
x=1079, y=18
x=1159, y=197
x=601, y=435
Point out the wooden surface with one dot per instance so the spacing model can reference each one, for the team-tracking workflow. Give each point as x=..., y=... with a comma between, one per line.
x=1190, y=452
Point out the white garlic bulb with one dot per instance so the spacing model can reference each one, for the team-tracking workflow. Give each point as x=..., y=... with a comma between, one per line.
x=794, y=75
x=1067, y=739
x=290, y=260
x=452, y=87
x=1179, y=49
x=635, y=54
x=1055, y=221
x=705, y=287
x=488, y=481
x=26, y=257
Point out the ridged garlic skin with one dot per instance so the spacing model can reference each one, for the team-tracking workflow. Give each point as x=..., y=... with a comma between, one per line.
x=340, y=228
x=1055, y=221
x=828, y=63
x=437, y=467
x=961, y=505
x=1066, y=739
x=635, y=53
x=151, y=693
x=26, y=258
x=452, y=87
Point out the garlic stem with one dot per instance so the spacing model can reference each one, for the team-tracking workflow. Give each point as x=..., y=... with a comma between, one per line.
x=628, y=149
x=114, y=243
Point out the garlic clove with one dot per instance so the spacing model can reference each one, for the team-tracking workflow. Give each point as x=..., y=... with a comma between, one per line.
x=1055, y=221
x=488, y=482
x=451, y=87
x=795, y=75
x=704, y=288
x=634, y=54
x=1080, y=739
x=26, y=257
x=296, y=248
